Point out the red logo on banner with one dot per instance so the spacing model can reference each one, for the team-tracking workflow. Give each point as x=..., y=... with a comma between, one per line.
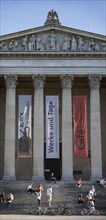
x=80, y=127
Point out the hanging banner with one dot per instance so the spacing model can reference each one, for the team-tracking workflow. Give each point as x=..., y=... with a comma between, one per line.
x=24, y=126
x=80, y=127
x=52, y=127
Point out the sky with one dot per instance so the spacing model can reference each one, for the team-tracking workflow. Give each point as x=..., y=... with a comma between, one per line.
x=19, y=15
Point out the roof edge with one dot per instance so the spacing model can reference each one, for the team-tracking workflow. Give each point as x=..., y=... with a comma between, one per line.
x=50, y=27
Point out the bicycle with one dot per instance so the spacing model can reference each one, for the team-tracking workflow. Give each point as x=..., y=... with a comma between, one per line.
x=45, y=211
x=90, y=212
x=62, y=210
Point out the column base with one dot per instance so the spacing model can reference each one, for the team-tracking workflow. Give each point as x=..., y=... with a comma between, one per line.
x=95, y=178
x=9, y=178
x=37, y=178
x=68, y=179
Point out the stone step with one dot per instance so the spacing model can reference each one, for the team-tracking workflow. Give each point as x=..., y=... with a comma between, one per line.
x=63, y=193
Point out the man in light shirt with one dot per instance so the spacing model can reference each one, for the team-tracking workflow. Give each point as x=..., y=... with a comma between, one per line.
x=49, y=194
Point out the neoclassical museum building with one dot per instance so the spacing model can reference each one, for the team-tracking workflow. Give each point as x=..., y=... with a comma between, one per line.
x=52, y=103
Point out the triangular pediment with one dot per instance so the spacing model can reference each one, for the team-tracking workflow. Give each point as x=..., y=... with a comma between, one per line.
x=53, y=38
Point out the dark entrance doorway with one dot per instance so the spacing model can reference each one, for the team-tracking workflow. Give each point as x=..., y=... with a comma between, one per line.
x=53, y=165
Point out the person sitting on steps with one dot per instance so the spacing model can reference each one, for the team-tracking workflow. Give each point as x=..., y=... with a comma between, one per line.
x=78, y=182
x=10, y=198
x=30, y=189
x=2, y=199
x=102, y=182
x=52, y=177
x=81, y=199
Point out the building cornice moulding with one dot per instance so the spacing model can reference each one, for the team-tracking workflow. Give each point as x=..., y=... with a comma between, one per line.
x=54, y=55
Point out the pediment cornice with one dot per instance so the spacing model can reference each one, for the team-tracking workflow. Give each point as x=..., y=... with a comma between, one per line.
x=43, y=29
x=53, y=38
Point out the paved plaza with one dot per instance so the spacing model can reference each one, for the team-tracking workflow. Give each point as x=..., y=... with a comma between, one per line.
x=28, y=217
x=25, y=203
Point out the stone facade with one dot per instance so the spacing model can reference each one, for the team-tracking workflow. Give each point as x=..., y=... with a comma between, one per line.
x=52, y=60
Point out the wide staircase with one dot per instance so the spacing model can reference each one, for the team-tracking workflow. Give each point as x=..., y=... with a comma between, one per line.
x=63, y=193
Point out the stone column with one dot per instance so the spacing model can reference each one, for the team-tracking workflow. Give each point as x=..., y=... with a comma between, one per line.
x=38, y=134
x=95, y=127
x=67, y=143
x=10, y=124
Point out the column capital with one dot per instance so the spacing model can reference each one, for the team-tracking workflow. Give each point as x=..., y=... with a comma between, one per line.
x=66, y=81
x=38, y=81
x=94, y=81
x=10, y=81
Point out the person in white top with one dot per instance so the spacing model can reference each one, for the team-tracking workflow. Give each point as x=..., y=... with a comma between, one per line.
x=102, y=182
x=10, y=198
x=49, y=194
x=92, y=191
x=29, y=188
x=38, y=194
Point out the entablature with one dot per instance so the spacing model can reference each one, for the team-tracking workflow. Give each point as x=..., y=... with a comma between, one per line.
x=52, y=54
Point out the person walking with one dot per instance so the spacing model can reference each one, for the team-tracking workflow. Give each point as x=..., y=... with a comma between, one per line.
x=49, y=194
x=38, y=194
x=41, y=188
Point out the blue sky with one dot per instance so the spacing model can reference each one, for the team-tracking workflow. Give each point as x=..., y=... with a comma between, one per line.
x=18, y=15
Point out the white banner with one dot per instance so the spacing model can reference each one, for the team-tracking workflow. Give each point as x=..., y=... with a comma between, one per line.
x=24, y=124
x=52, y=127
